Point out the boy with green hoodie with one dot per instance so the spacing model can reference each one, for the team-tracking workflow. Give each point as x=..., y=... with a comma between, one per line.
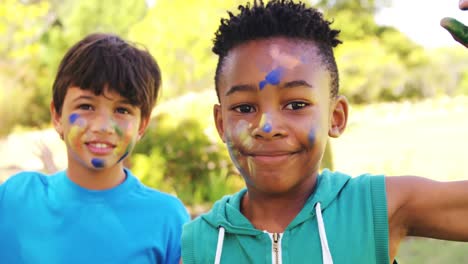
x=277, y=85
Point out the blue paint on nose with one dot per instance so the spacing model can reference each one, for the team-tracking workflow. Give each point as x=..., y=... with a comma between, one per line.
x=97, y=163
x=72, y=118
x=267, y=128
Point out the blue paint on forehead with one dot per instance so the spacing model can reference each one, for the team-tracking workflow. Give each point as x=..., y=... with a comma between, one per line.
x=267, y=128
x=72, y=118
x=97, y=163
x=273, y=77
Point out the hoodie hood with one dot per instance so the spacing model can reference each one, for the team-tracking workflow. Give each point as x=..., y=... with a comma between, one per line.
x=226, y=212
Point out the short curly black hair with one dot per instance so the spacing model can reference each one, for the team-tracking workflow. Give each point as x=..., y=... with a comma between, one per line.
x=278, y=18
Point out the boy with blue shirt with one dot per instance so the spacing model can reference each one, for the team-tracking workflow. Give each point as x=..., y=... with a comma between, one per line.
x=277, y=86
x=96, y=211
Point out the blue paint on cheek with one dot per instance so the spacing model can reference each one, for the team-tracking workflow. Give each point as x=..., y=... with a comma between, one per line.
x=123, y=157
x=267, y=128
x=311, y=137
x=72, y=118
x=97, y=163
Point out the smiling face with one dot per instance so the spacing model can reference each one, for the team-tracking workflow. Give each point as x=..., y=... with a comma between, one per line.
x=99, y=131
x=276, y=113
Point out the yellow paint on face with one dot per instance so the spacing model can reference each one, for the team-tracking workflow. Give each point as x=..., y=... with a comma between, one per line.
x=241, y=131
x=263, y=120
x=76, y=130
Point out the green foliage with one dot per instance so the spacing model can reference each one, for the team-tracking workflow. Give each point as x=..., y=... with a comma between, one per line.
x=179, y=34
x=355, y=18
x=20, y=28
x=368, y=72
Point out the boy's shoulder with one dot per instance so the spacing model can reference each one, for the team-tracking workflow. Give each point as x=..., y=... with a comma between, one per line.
x=156, y=199
x=22, y=183
x=25, y=178
x=216, y=215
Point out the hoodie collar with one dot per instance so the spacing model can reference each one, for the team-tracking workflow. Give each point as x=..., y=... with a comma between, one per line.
x=226, y=212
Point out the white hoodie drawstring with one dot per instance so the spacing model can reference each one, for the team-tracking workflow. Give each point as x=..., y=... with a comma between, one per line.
x=326, y=255
x=219, y=247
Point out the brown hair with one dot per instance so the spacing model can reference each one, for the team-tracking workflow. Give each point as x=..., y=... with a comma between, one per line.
x=101, y=60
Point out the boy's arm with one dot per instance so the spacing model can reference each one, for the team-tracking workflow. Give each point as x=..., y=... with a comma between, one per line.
x=422, y=207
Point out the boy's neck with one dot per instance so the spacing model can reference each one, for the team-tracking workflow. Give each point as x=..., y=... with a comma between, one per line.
x=97, y=179
x=273, y=213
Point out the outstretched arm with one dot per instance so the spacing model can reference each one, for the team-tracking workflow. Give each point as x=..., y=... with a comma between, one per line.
x=426, y=208
x=457, y=29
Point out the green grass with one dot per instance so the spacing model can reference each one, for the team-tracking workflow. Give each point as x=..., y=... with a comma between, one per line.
x=427, y=139
x=431, y=251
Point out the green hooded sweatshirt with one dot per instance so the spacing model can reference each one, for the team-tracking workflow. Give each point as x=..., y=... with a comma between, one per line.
x=343, y=221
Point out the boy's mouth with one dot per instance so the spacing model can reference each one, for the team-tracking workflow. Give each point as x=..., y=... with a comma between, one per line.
x=99, y=147
x=271, y=157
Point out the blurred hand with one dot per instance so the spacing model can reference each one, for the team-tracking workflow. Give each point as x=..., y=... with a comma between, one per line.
x=457, y=29
x=46, y=156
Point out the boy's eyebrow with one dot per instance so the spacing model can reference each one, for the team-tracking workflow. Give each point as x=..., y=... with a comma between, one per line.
x=296, y=83
x=241, y=88
x=89, y=97
x=253, y=88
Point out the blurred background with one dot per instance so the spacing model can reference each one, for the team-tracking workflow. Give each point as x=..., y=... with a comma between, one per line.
x=406, y=79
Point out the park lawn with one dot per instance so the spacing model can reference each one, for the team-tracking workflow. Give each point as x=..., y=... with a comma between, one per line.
x=428, y=138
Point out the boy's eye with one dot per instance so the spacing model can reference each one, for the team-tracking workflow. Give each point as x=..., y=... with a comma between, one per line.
x=122, y=110
x=85, y=107
x=296, y=105
x=244, y=109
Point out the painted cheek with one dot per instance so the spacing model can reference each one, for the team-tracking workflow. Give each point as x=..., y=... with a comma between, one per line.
x=311, y=136
x=118, y=130
x=73, y=117
x=127, y=139
x=241, y=132
x=78, y=126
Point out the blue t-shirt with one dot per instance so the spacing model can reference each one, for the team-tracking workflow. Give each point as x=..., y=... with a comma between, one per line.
x=51, y=220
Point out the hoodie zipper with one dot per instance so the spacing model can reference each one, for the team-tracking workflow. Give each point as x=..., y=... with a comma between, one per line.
x=276, y=248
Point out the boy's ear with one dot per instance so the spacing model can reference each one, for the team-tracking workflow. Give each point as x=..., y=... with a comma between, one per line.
x=56, y=119
x=339, y=116
x=143, y=125
x=218, y=117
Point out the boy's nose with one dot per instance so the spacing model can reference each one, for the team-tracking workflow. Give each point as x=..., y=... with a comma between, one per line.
x=103, y=123
x=269, y=126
